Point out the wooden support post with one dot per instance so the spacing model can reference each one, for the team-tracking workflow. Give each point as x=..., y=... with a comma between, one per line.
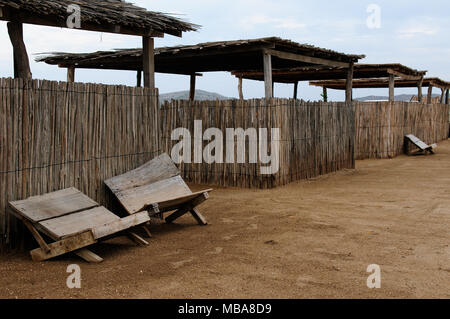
x=391, y=88
x=149, y=62
x=44, y=246
x=430, y=94
x=442, y=96
x=447, y=97
x=325, y=94
x=190, y=207
x=88, y=256
x=295, y=90
x=137, y=239
x=139, y=79
x=192, y=88
x=64, y=246
x=21, y=62
x=71, y=74
x=419, y=93
x=349, y=84
x=268, y=83
x=241, y=93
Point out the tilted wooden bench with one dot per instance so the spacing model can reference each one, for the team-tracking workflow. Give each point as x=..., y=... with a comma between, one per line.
x=157, y=187
x=422, y=146
x=73, y=221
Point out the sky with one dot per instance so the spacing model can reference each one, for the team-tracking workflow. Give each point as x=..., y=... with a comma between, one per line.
x=410, y=32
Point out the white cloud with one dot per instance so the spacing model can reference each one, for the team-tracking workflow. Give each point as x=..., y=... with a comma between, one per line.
x=251, y=22
x=290, y=24
x=418, y=30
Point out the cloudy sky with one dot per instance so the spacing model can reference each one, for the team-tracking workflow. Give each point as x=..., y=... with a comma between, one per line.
x=411, y=32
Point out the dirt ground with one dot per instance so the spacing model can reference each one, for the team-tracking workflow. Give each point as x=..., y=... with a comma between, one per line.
x=310, y=239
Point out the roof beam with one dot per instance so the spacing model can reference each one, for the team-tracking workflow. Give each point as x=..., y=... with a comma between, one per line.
x=404, y=76
x=306, y=59
x=438, y=85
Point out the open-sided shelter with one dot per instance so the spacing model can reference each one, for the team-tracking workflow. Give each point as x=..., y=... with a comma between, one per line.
x=45, y=146
x=387, y=83
x=113, y=16
x=392, y=71
x=264, y=55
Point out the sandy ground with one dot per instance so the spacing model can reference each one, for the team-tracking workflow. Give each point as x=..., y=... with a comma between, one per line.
x=311, y=239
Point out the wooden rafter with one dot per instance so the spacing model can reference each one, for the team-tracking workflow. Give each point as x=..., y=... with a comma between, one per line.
x=306, y=59
x=403, y=75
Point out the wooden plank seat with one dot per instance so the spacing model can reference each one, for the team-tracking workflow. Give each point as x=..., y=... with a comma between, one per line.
x=158, y=188
x=422, y=146
x=73, y=221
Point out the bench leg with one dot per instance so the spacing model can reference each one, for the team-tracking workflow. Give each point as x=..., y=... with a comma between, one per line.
x=64, y=246
x=147, y=231
x=170, y=219
x=198, y=217
x=137, y=239
x=88, y=256
x=44, y=246
x=190, y=207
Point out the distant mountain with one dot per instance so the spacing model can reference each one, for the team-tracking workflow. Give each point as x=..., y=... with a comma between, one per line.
x=200, y=95
x=402, y=97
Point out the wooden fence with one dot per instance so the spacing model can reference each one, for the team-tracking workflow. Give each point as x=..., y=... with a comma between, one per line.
x=381, y=126
x=314, y=138
x=56, y=135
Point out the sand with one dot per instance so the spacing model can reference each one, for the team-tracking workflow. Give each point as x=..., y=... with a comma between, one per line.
x=310, y=239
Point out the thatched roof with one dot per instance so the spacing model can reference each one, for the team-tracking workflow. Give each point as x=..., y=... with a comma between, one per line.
x=361, y=71
x=98, y=15
x=202, y=57
x=381, y=83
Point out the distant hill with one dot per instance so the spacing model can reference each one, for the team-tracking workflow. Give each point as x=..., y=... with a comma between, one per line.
x=184, y=95
x=402, y=97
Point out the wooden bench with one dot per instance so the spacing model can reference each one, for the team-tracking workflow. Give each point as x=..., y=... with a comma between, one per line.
x=157, y=188
x=73, y=221
x=422, y=146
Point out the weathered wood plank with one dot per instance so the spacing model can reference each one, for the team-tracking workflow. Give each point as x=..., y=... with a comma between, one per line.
x=120, y=224
x=419, y=143
x=56, y=204
x=134, y=199
x=64, y=246
x=157, y=169
x=78, y=222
